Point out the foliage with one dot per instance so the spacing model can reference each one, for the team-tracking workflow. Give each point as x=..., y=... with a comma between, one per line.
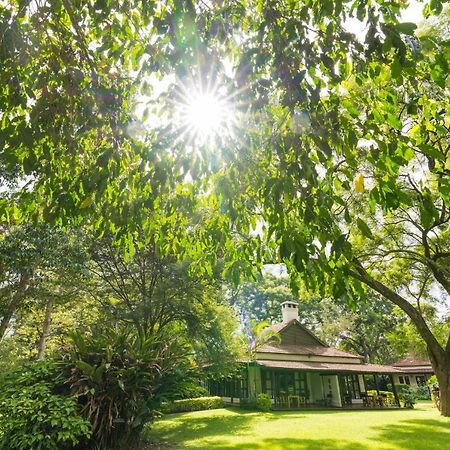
x=406, y=395
x=260, y=300
x=404, y=339
x=263, y=402
x=37, y=412
x=10, y=357
x=388, y=394
x=159, y=294
x=261, y=334
x=194, y=404
x=191, y=390
x=120, y=379
x=422, y=393
x=433, y=383
x=342, y=156
x=40, y=266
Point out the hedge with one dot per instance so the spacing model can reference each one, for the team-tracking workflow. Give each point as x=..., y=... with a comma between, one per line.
x=194, y=404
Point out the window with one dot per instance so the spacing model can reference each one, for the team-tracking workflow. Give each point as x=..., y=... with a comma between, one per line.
x=300, y=384
x=420, y=380
x=349, y=386
x=401, y=380
x=283, y=382
x=407, y=380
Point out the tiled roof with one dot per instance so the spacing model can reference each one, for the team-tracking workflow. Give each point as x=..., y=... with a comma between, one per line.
x=327, y=367
x=315, y=350
x=412, y=361
x=416, y=369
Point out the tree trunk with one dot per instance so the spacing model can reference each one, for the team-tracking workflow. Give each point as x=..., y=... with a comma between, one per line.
x=15, y=302
x=440, y=357
x=45, y=328
x=441, y=368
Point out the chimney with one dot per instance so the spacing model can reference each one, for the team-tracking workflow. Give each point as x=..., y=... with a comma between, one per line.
x=289, y=311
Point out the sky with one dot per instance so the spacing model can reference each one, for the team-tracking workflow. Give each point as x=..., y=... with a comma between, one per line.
x=413, y=13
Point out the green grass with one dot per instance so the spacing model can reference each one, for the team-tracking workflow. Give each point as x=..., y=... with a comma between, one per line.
x=398, y=429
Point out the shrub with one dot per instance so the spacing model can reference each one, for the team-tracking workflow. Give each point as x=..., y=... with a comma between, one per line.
x=422, y=393
x=194, y=404
x=263, y=403
x=406, y=395
x=191, y=390
x=433, y=383
x=121, y=378
x=37, y=412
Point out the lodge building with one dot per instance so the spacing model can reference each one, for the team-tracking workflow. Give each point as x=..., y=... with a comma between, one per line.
x=302, y=371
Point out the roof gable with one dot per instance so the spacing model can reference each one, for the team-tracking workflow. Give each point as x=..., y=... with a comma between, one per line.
x=294, y=333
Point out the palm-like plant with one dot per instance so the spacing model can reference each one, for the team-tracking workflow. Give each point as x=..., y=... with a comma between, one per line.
x=120, y=378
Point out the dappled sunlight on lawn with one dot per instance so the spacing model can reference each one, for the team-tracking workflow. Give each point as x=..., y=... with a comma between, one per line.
x=419, y=429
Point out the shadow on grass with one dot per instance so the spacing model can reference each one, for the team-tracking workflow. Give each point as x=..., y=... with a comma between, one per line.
x=187, y=426
x=285, y=444
x=405, y=434
x=183, y=428
x=420, y=434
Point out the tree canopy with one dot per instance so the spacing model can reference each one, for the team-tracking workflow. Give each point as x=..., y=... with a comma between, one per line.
x=337, y=164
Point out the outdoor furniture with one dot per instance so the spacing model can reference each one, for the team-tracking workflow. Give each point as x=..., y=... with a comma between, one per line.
x=371, y=401
x=347, y=400
x=380, y=400
x=293, y=399
x=365, y=399
x=283, y=401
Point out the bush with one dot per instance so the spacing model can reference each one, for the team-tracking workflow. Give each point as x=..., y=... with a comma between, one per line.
x=433, y=383
x=263, y=403
x=120, y=379
x=191, y=390
x=406, y=395
x=36, y=411
x=194, y=404
x=422, y=393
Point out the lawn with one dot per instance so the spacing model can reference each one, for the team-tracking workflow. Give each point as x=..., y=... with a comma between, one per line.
x=232, y=428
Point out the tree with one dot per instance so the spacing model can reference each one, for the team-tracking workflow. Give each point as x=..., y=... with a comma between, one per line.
x=337, y=126
x=260, y=300
x=159, y=296
x=353, y=183
x=367, y=328
x=37, y=261
x=405, y=338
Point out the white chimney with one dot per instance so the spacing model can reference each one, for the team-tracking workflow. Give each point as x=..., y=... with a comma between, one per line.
x=289, y=311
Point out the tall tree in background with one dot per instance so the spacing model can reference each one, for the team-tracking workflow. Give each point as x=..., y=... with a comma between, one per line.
x=366, y=329
x=38, y=263
x=158, y=295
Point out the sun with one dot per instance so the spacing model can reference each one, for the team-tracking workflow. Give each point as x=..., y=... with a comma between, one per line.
x=205, y=114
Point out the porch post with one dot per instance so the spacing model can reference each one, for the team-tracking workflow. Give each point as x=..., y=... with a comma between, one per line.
x=365, y=384
x=376, y=383
x=394, y=389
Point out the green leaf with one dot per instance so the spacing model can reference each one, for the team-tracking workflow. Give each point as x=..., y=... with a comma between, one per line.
x=86, y=202
x=406, y=28
x=363, y=227
x=337, y=245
